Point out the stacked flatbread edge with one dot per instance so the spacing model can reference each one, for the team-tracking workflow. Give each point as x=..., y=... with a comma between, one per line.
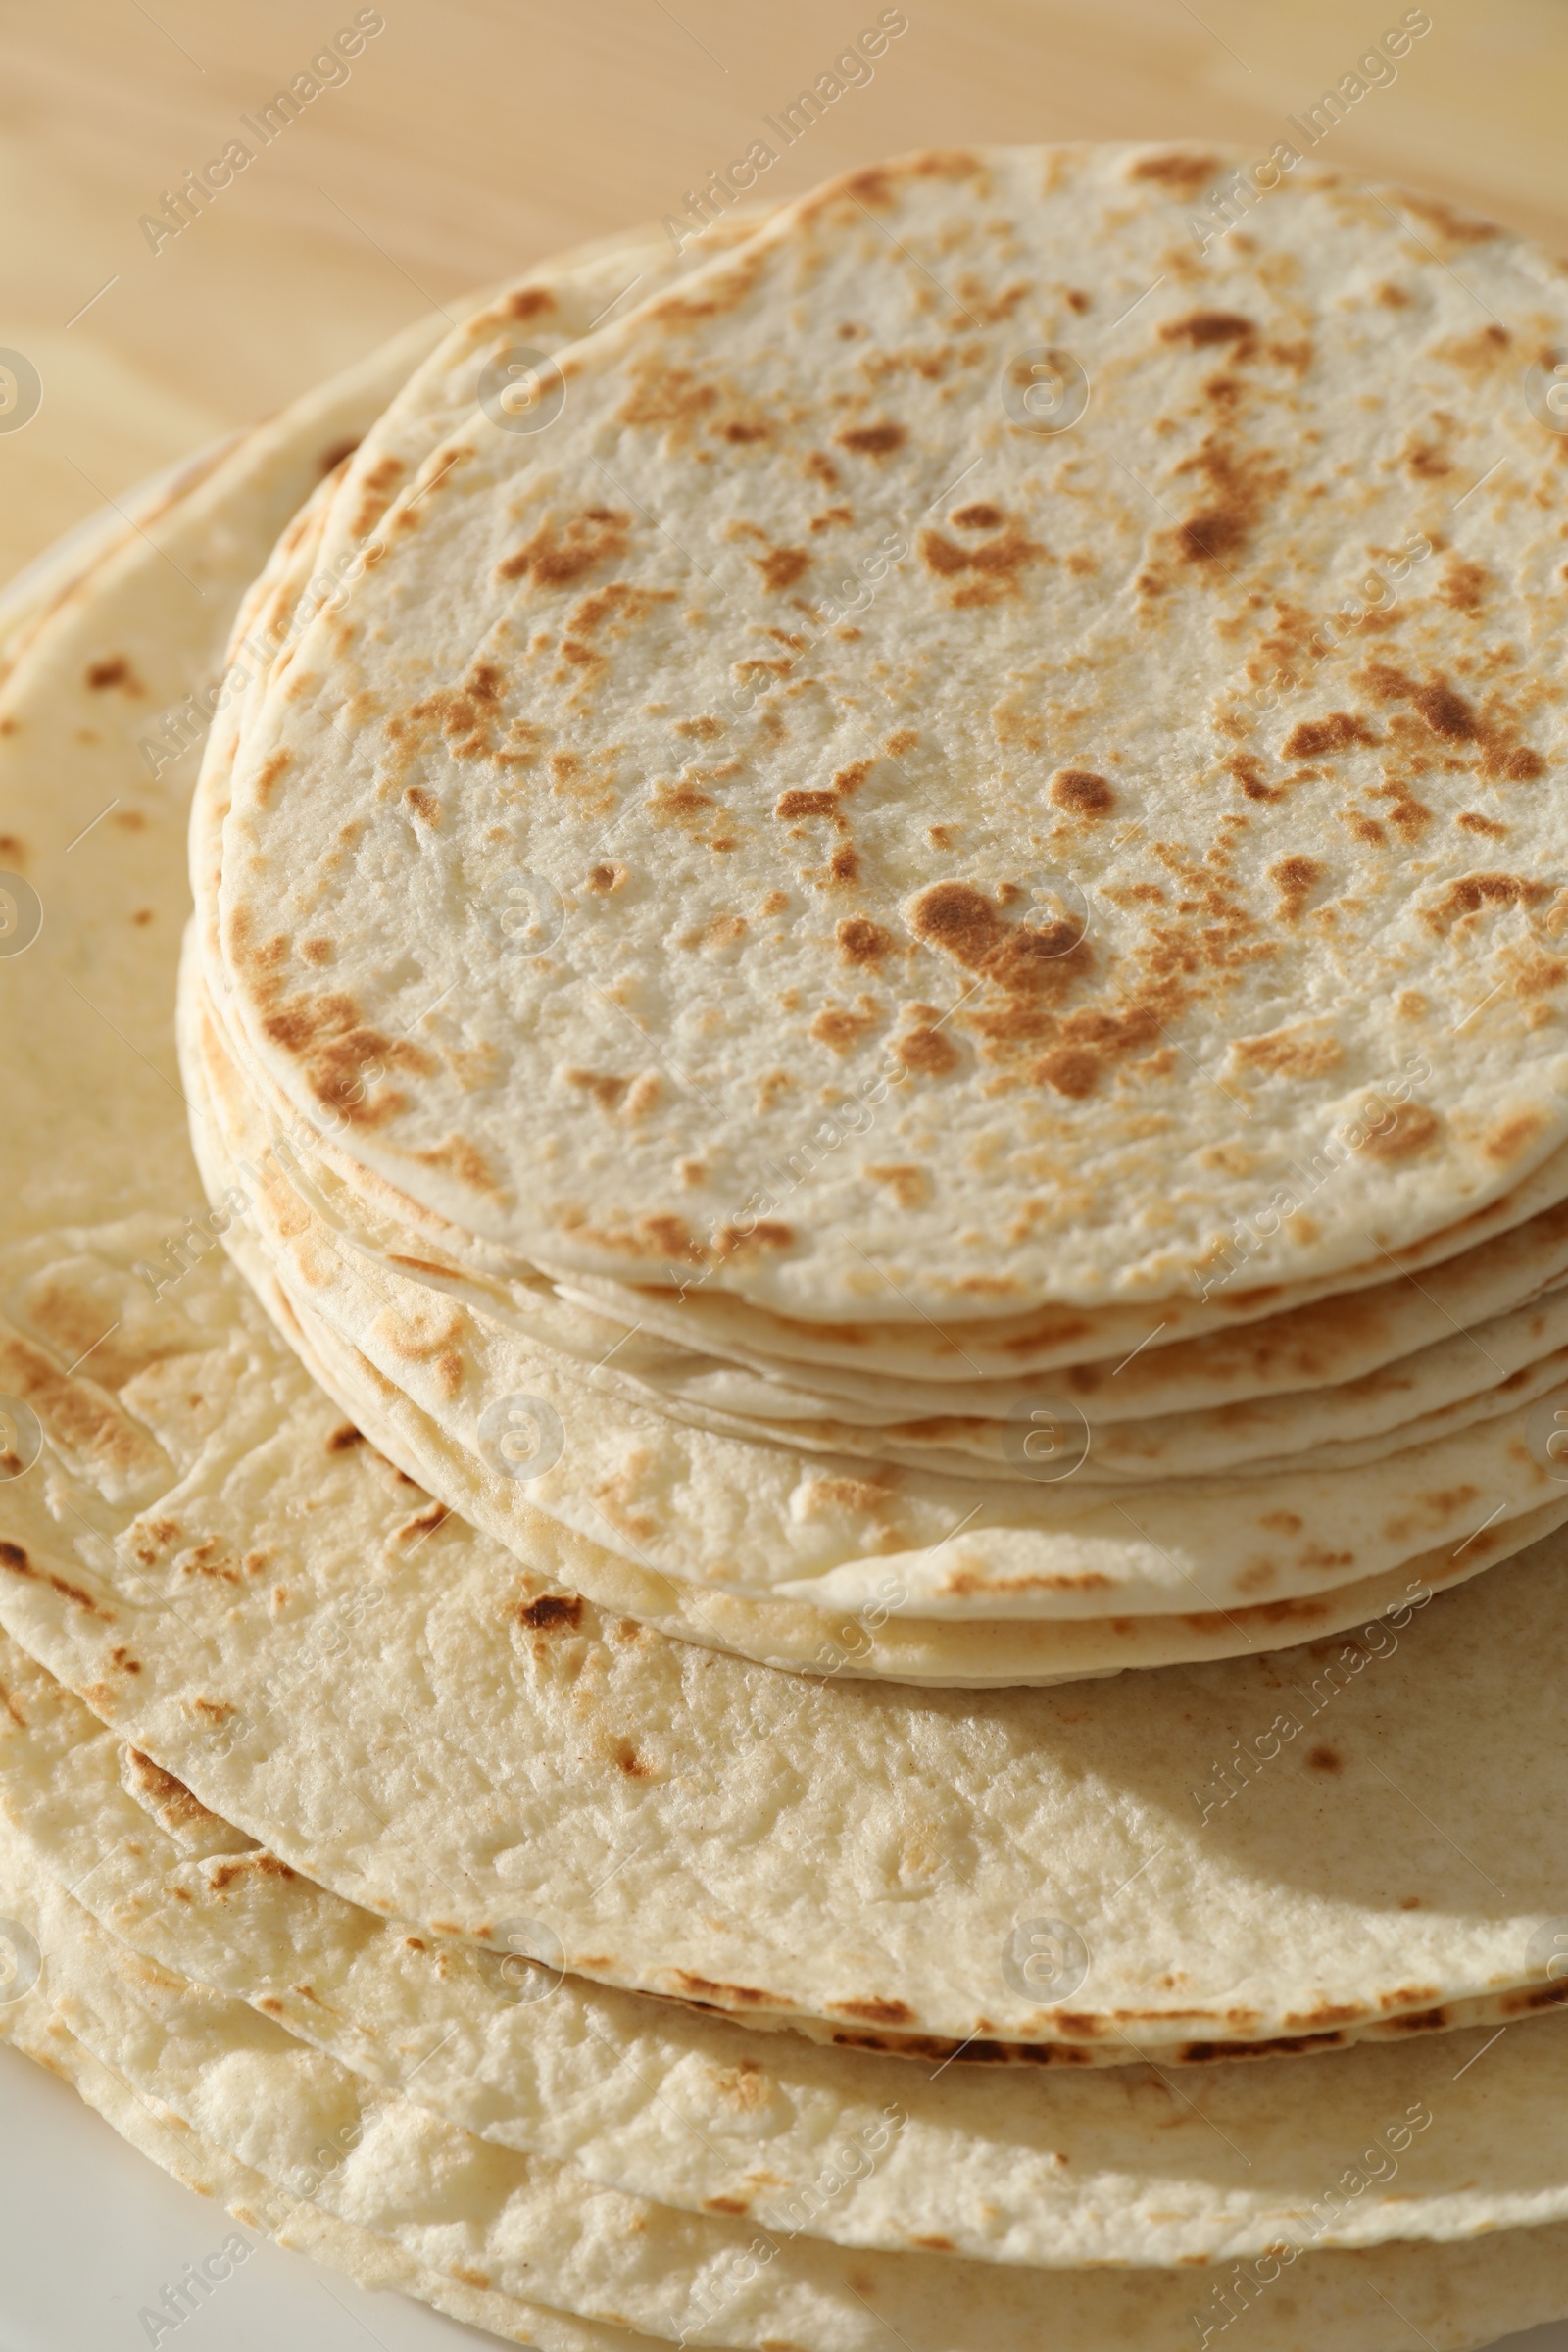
x=413, y=1749
x=1271, y=1390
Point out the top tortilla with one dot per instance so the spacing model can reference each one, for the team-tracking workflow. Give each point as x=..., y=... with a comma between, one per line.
x=803, y=859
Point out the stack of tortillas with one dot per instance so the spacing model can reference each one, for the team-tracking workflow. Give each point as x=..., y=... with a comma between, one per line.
x=875, y=976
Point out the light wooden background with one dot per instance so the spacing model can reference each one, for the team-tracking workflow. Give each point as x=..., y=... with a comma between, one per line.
x=475, y=135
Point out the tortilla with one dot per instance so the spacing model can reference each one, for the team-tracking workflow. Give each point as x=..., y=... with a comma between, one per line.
x=753, y=1520
x=690, y=2110
x=1067, y=1153
x=490, y=2220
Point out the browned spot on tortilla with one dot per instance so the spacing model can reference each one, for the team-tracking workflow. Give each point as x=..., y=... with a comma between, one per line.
x=1335, y=733
x=1185, y=169
x=782, y=566
x=979, y=516
x=674, y=397
x=678, y=801
x=1461, y=228
x=800, y=801
x=529, y=302
x=837, y=1026
x=911, y=1187
x=1202, y=328
x=462, y=1160
x=987, y=571
x=1446, y=714
x=552, y=1612
x=1082, y=792
x=1463, y=584
x=1072, y=1070
x=222, y=1876
x=423, y=804
x=739, y=1996
x=1414, y=1129
x=1472, y=892
x=860, y=941
x=873, y=440
x=926, y=1051
x=1324, y=1759
x=115, y=671
x=1295, y=878
x=605, y=1088
x=767, y=1234
x=341, y=1056
x=556, y=555
x=1514, y=1136
x=1289, y=1052
x=423, y=1523
x=874, y=2011
x=268, y=774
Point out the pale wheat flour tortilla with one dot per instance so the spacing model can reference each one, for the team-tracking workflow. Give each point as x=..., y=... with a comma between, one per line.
x=1465, y=1377
x=61, y=1028
x=1514, y=1266
x=184, y=1444
x=1063, y=1157
x=1009, y=2165
x=64, y=570
x=1416, y=1399
x=536, y=314
x=401, y=1710
x=884, y=1639
x=799, y=1633
x=1322, y=1343
x=492, y=2221
x=750, y=1519
x=37, y=2029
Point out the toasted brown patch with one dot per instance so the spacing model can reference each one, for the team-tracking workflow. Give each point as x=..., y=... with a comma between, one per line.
x=1335, y=733
x=1202, y=328
x=1185, y=170
x=927, y=1052
x=560, y=552
x=1414, y=1129
x=873, y=440
x=1287, y=1051
x=860, y=941
x=1072, y=1070
x=1081, y=791
x=782, y=566
x=1296, y=879
x=552, y=1612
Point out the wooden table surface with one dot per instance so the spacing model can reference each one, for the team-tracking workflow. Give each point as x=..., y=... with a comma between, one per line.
x=473, y=137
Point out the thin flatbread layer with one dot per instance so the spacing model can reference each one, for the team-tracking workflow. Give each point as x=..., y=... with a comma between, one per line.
x=495, y=1748
x=39, y=2032
x=147, y=1497
x=1434, y=1394
x=690, y=2110
x=752, y=1519
x=489, y=2220
x=1068, y=1149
